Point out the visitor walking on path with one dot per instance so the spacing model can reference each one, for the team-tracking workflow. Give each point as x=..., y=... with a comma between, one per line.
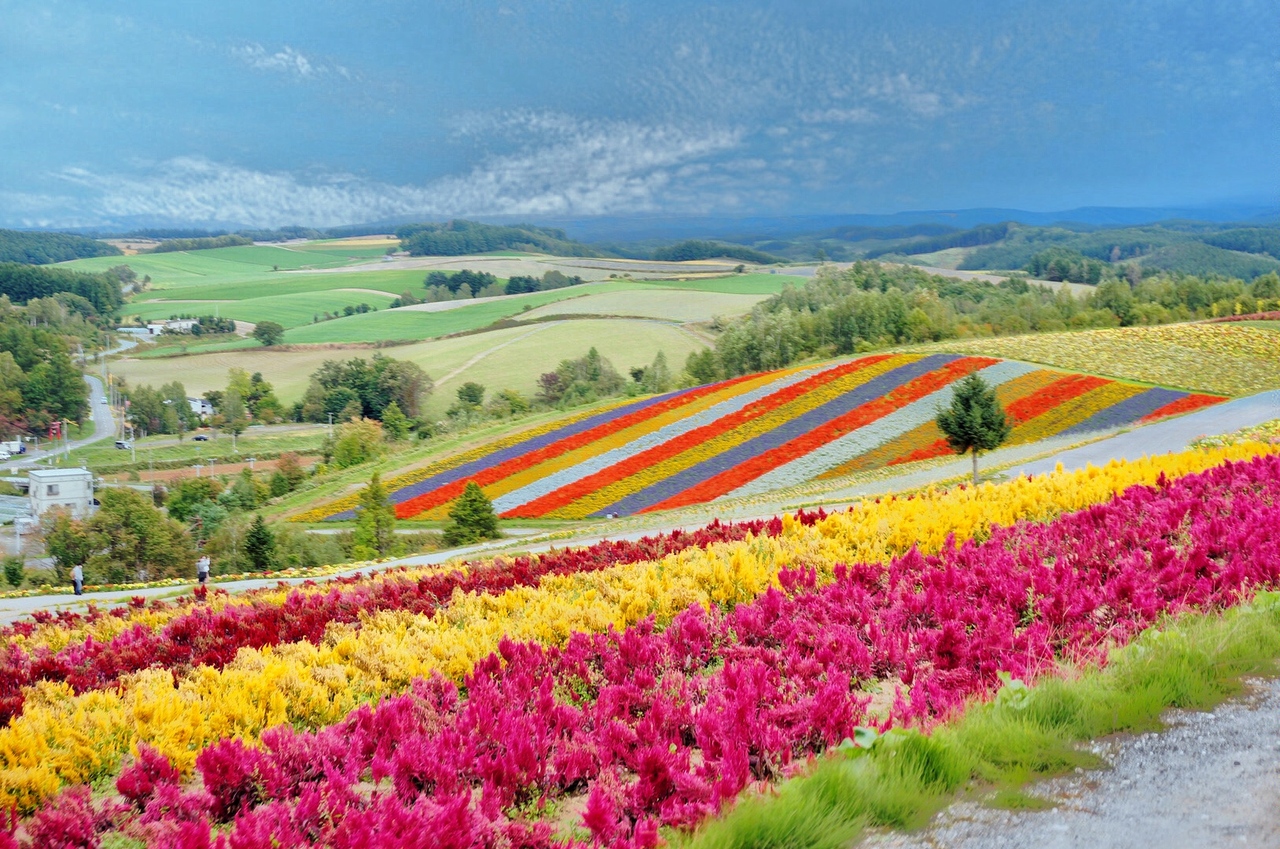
x=202, y=569
x=77, y=578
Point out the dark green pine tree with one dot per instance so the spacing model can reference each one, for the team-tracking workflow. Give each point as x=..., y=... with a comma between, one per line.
x=471, y=518
x=375, y=521
x=975, y=421
x=260, y=544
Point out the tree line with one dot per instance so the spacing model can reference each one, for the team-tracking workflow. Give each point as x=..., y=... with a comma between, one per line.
x=871, y=306
x=21, y=283
x=39, y=383
x=694, y=249
x=199, y=243
x=460, y=237
x=37, y=248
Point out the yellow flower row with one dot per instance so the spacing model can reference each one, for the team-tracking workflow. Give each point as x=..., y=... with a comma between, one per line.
x=1071, y=413
x=1222, y=358
x=725, y=441
x=61, y=737
x=351, y=499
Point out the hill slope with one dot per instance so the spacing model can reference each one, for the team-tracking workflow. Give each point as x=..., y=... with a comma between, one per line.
x=759, y=433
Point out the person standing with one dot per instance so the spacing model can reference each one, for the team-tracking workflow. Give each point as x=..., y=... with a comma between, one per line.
x=202, y=569
x=77, y=578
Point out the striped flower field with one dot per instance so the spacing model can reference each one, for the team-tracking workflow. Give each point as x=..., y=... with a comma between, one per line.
x=760, y=433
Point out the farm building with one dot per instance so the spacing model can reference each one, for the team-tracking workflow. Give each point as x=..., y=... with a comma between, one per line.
x=68, y=488
x=201, y=407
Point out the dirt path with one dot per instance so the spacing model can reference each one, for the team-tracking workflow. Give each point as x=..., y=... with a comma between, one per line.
x=487, y=351
x=1212, y=779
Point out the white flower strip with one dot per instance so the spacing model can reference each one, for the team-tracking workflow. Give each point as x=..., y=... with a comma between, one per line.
x=554, y=481
x=864, y=439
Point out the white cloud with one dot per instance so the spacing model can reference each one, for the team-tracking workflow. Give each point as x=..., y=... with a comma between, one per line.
x=857, y=115
x=285, y=61
x=596, y=168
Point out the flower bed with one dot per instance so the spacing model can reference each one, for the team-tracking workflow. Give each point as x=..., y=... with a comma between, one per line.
x=664, y=722
x=62, y=737
x=1219, y=359
x=763, y=432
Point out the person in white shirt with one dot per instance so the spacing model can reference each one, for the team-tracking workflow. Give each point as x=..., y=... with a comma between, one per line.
x=202, y=569
x=77, y=578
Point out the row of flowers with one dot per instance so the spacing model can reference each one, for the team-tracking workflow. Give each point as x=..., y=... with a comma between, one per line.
x=771, y=431
x=202, y=635
x=665, y=721
x=1220, y=359
x=594, y=492
x=62, y=737
x=750, y=445
x=805, y=436
x=413, y=476
x=875, y=433
x=591, y=460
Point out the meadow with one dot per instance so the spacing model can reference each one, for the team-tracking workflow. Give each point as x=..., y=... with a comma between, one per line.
x=508, y=358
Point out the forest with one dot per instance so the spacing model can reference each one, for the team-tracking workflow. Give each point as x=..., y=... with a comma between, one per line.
x=38, y=248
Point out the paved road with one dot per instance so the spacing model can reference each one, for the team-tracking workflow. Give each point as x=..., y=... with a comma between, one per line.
x=104, y=427
x=1163, y=437
x=1208, y=781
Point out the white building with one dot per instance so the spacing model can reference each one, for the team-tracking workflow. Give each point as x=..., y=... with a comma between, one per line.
x=200, y=407
x=71, y=489
x=172, y=325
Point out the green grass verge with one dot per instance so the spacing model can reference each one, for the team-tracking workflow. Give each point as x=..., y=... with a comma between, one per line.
x=904, y=776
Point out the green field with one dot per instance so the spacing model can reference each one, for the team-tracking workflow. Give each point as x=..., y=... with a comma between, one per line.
x=660, y=303
x=289, y=310
x=413, y=323
x=511, y=358
x=168, y=449
x=738, y=284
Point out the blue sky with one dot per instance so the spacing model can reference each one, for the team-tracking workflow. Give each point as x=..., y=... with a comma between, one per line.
x=268, y=113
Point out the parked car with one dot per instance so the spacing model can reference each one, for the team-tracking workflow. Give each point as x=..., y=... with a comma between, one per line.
x=201, y=437
x=124, y=444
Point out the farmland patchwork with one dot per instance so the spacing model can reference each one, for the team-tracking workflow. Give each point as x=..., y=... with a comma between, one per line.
x=760, y=433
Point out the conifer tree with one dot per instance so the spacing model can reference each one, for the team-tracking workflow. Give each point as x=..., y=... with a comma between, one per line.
x=375, y=521
x=260, y=544
x=471, y=518
x=974, y=421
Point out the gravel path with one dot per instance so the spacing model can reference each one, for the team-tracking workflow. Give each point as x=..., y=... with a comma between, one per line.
x=1211, y=780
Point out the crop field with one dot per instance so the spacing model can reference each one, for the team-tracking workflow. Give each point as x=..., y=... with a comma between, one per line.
x=289, y=310
x=391, y=282
x=428, y=321
x=1223, y=358
x=667, y=304
x=510, y=358
x=595, y=696
x=760, y=433
x=738, y=284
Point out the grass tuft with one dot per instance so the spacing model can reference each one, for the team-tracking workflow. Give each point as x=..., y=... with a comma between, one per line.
x=996, y=747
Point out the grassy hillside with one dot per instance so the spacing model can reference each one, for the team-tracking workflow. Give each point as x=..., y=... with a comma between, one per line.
x=511, y=358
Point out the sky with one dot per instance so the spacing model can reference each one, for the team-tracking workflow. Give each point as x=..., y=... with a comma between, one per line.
x=261, y=113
